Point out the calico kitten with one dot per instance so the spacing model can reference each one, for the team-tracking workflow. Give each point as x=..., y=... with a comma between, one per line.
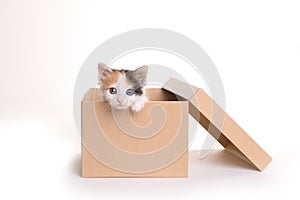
x=123, y=88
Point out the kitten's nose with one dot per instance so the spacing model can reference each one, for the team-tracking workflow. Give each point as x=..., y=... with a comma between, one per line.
x=120, y=102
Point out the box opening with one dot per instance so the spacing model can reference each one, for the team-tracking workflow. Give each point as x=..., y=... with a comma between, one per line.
x=153, y=94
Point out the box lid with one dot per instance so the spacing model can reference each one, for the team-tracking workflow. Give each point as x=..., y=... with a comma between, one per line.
x=219, y=124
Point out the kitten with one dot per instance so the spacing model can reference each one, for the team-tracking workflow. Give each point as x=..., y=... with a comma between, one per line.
x=123, y=88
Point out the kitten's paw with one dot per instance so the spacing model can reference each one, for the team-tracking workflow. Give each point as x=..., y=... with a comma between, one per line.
x=137, y=106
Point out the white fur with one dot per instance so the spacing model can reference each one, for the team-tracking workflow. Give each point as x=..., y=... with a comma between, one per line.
x=139, y=103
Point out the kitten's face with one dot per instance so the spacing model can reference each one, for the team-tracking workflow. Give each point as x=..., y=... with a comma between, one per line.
x=121, y=87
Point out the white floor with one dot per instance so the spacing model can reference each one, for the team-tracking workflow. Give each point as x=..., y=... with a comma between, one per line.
x=220, y=175
x=41, y=162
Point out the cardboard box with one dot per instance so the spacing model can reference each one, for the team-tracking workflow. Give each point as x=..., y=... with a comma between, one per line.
x=150, y=143
x=154, y=142
x=219, y=124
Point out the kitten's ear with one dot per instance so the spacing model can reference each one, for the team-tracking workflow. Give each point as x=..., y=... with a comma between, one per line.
x=141, y=74
x=103, y=71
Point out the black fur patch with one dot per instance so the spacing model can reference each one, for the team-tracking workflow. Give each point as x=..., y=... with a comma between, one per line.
x=139, y=91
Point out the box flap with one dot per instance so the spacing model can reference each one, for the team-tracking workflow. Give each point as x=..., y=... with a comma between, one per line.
x=219, y=124
x=180, y=88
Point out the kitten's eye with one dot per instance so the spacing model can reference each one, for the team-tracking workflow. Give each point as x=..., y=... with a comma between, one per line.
x=130, y=92
x=113, y=90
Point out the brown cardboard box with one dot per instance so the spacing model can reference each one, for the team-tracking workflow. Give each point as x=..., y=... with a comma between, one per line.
x=219, y=124
x=154, y=142
x=150, y=143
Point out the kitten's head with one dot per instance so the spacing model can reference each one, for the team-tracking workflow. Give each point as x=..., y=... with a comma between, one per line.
x=121, y=87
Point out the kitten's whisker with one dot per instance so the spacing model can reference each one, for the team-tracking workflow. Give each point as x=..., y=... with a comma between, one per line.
x=107, y=107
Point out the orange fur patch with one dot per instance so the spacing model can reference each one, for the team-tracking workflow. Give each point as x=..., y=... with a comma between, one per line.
x=110, y=79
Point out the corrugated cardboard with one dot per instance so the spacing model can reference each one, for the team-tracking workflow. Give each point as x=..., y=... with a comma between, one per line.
x=150, y=143
x=219, y=124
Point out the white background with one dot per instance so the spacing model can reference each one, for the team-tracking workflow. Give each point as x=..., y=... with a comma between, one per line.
x=255, y=46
